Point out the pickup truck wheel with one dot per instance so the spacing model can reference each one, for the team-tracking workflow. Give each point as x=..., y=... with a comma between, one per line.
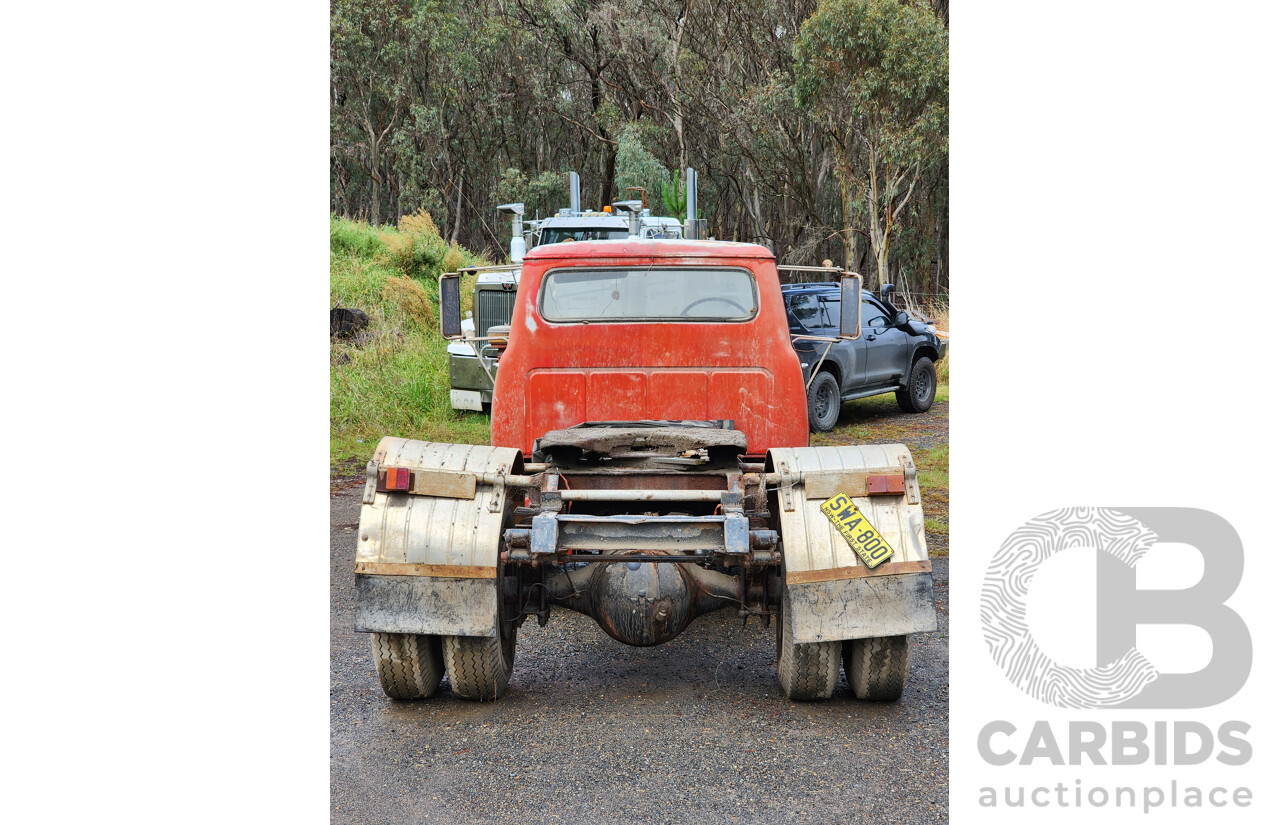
x=824, y=402
x=806, y=671
x=409, y=666
x=877, y=667
x=917, y=396
x=480, y=667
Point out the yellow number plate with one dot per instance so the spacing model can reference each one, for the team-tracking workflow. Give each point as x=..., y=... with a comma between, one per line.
x=862, y=536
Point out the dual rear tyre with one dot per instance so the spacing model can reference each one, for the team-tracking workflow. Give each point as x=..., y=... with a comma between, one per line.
x=480, y=667
x=876, y=668
x=411, y=666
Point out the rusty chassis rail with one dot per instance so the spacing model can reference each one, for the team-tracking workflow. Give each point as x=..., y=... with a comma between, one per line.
x=613, y=558
x=626, y=494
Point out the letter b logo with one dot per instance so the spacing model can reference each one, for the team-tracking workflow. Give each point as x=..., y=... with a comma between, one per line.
x=1124, y=677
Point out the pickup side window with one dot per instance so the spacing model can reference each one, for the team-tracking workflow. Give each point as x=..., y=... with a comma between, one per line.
x=873, y=317
x=812, y=313
x=649, y=293
x=802, y=313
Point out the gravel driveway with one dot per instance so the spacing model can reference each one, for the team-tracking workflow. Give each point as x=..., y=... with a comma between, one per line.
x=593, y=731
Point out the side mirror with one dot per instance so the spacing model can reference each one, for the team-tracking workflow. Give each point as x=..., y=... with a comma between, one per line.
x=901, y=319
x=451, y=305
x=850, y=305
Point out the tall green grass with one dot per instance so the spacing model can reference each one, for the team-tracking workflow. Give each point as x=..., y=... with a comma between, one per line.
x=393, y=379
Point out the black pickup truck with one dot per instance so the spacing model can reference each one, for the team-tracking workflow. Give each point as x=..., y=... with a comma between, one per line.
x=895, y=353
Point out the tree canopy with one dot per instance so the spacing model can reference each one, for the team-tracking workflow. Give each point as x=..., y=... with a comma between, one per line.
x=799, y=117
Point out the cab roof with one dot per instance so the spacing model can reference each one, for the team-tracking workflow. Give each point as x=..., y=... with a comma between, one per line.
x=649, y=248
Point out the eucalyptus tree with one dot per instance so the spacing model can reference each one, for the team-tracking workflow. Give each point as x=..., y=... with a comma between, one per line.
x=368, y=54
x=817, y=126
x=874, y=74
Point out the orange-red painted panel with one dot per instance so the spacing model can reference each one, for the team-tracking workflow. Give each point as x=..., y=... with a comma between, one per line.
x=744, y=397
x=677, y=395
x=556, y=400
x=615, y=396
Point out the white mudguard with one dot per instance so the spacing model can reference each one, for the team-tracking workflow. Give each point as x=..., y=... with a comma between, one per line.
x=427, y=561
x=833, y=595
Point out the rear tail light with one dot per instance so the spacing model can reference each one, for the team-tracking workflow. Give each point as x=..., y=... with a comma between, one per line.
x=394, y=480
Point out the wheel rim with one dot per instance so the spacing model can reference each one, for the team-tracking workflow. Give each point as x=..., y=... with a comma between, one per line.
x=922, y=385
x=823, y=402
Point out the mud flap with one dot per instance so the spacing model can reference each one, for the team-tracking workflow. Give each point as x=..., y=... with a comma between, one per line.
x=887, y=605
x=428, y=564
x=834, y=596
x=426, y=605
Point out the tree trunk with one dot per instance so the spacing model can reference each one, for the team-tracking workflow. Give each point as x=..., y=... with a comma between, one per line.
x=608, y=166
x=843, y=178
x=457, y=214
x=935, y=263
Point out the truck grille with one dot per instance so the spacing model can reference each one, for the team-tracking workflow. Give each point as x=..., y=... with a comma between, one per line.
x=493, y=308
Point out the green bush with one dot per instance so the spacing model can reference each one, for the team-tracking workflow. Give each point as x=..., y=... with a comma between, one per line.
x=392, y=378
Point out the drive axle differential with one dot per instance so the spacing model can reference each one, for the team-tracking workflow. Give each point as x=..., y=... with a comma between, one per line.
x=643, y=603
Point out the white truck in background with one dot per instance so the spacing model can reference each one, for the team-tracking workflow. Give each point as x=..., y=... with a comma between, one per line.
x=474, y=360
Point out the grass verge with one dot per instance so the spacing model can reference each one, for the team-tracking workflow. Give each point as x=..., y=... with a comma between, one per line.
x=393, y=377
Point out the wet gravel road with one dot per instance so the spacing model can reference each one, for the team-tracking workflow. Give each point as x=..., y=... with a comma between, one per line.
x=593, y=731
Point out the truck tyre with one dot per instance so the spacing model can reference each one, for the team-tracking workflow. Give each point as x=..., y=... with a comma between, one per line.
x=824, y=402
x=479, y=667
x=409, y=666
x=806, y=671
x=877, y=667
x=922, y=384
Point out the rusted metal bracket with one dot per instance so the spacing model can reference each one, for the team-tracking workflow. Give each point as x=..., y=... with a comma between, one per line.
x=736, y=526
x=371, y=482
x=784, y=489
x=737, y=534
x=543, y=535
x=909, y=475
x=499, y=488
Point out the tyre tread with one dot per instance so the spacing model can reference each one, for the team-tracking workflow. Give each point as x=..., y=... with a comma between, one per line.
x=906, y=398
x=476, y=666
x=821, y=378
x=409, y=666
x=807, y=672
x=877, y=667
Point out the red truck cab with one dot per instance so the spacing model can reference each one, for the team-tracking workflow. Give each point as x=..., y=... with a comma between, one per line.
x=616, y=488
x=629, y=330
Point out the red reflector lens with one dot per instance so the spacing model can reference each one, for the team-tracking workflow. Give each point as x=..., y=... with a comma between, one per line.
x=886, y=485
x=394, y=479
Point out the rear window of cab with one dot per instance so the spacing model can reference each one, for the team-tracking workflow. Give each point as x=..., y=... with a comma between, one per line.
x=648, y=293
